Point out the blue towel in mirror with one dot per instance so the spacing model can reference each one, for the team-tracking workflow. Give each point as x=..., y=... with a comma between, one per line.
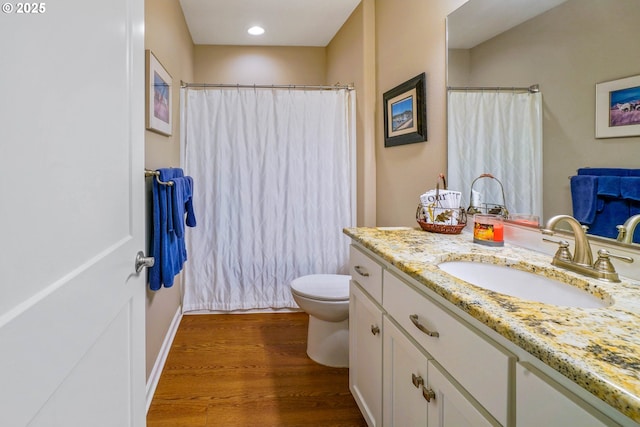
x=584, y=191
x=614, y=211
x=617, y=198
x=630, y=188
x=630, y=191
x=612, y=208
x=609, y=186
x=605, y=171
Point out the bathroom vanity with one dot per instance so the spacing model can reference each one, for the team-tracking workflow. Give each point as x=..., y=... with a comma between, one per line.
x=429, y=349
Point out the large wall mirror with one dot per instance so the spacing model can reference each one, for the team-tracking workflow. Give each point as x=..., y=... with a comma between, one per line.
x=566, y=47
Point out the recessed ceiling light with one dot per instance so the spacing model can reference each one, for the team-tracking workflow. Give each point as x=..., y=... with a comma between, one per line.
x=256, y=31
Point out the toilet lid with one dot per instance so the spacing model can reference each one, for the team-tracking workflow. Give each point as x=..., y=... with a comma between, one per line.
x=328, y=287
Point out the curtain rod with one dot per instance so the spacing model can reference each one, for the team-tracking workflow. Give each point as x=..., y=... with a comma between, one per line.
x=531, y=89
x=337, y=86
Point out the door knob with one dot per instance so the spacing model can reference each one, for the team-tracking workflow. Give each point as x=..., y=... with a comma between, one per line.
x=143, y=261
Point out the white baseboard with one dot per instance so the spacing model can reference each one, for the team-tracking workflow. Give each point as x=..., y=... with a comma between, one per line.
x=154, y=377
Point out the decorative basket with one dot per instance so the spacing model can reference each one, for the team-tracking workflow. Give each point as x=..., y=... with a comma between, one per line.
x=445, y=220
x=488, y=208
x=438, y=227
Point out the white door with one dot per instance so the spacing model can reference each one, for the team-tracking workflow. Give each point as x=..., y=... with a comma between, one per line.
x=72, y=213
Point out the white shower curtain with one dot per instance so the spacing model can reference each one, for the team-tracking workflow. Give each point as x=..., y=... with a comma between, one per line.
x=498, y=133
x=274, y=185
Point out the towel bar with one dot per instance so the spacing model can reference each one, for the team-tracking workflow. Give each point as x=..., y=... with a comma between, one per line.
x=148, y=172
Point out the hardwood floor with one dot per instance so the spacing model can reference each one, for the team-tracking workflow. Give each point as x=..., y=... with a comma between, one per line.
x=244, y=370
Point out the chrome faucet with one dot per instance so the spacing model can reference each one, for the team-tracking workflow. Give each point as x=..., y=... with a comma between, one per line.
x=582, y=260
x=625, y=231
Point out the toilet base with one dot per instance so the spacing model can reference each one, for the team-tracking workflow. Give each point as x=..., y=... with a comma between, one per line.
x=328, y=342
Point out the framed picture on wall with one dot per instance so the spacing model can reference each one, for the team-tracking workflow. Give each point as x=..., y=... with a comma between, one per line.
x=157, y=96
x=618, y=108
x=405, y=112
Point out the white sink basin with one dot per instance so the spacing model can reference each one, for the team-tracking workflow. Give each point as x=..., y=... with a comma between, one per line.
x=521, y=284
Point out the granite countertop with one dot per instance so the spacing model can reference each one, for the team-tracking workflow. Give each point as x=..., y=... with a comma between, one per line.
x=597, y=348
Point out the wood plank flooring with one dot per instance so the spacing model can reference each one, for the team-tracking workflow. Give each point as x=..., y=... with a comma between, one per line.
x=244, y=370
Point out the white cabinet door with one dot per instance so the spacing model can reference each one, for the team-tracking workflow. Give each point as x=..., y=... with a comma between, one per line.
x=365, y=355
x=538, y=403
x=449, y=407
x=472, y=360
x=72, y=209
x=404, y=375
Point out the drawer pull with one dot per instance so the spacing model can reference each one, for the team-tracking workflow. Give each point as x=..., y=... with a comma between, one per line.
x=414, y=319
x=416, y=380
x=428, y=394
x=361, y=271
x=375, y=330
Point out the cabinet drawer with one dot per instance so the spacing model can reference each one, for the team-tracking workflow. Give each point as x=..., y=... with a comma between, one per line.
x=367, y=272
x=480, y=367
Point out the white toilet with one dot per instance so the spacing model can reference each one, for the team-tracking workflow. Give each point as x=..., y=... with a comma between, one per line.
x=325, y=297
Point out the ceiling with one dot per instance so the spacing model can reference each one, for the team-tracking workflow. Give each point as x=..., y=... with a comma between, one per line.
x=479, y=20
x=286, y=22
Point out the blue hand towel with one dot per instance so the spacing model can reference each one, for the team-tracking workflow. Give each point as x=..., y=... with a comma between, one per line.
x=612, y=208
x=630, y=191
x=154, y=272
x=614, y=211
x=630, y=188
x=177, y=206
x=609, y=186
x=191, y=213
x=171, y=259
x=165, y=245
x=183, y=204
x=584, y=191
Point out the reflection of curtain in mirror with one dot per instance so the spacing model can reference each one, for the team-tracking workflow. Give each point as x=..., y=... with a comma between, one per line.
x=274, y=176
x=498, y=133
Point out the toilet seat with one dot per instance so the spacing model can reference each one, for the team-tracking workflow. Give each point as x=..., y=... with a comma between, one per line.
x=322, y=287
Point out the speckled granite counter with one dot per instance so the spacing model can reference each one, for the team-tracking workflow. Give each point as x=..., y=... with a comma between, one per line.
x=599, y=349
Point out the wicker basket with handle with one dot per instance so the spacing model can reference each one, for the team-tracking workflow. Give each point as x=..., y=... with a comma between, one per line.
x=441, y=215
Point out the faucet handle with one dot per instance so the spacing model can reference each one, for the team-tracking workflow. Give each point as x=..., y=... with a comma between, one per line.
x=603, y=264
x=603, y=253
x=563, y=253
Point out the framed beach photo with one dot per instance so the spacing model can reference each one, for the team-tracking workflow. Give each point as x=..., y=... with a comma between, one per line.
x=618, y=108
x=158, y=96
x=405, y=113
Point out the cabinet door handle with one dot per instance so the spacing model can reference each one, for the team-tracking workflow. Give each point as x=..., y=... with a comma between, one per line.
x=361, y=271
x=428, y=394
x=416, y=380
x=416, y=322
x=375, y=330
